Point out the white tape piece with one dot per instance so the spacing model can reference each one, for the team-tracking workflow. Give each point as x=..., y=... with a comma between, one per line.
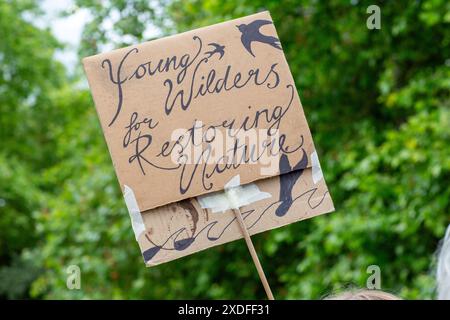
x=317, y=174
x=133, y=209
x=233, y=197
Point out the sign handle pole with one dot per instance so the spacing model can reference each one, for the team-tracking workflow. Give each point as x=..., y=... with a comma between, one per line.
x=253, y=253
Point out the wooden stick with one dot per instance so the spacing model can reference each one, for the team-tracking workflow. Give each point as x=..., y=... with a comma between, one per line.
x=253, y=253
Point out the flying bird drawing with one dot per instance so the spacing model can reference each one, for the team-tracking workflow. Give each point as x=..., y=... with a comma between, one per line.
x=250, y=33
x=219, y=49
x=288, y=177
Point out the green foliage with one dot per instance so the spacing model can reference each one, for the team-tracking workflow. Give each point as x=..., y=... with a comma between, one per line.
x=377, y=102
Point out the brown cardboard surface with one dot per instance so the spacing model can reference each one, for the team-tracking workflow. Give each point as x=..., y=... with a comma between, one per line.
x=229, y=75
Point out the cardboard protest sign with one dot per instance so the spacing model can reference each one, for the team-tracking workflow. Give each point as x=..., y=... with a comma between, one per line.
x=190, y=115
x=179, y=229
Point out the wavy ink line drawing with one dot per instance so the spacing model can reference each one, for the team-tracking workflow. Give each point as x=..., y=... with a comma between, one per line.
x=250, y=33
x=312, y=191
x=180, y=245
x=184, y=243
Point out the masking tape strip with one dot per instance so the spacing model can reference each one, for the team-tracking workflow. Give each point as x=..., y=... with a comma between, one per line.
x=233, y=197
x=317, y=174
x=133, y=209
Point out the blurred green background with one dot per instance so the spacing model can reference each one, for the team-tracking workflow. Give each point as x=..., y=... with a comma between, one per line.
x=377, y=102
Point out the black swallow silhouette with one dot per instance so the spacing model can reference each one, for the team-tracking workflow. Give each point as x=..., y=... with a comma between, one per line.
x=288, y=177
x=217, y=49
x=250, y=33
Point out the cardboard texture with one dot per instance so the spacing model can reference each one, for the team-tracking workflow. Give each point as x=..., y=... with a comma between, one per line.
x=162, y=101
